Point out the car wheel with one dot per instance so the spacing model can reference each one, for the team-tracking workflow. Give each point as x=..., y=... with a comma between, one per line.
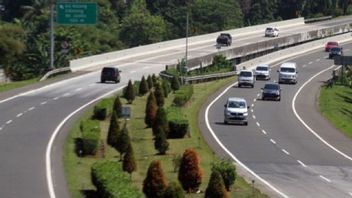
x=225, y=122
x=239, y=85
x=102, y=81
x=246, y=123
x=279, y=99
x=263, y=98
x=252, y=86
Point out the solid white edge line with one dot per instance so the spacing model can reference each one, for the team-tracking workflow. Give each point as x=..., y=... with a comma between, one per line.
x=306, y=125
x=302, y=164
x=229, y=153
x=324, y=178
x=53, y=136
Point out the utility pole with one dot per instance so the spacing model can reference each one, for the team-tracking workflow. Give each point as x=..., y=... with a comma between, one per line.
x=52, y=44
x=187, y=24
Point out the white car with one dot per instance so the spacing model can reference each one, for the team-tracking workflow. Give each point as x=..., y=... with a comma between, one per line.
x=288, y=73
x=262, y=72
x=271, y=32
x=246, y=78
x=236, y=111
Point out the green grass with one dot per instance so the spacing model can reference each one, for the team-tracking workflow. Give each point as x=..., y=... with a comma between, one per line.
x=78, y=170
x=336, y=105
x=14, y=85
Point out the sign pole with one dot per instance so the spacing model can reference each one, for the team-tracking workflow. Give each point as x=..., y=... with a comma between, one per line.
x=52, y=43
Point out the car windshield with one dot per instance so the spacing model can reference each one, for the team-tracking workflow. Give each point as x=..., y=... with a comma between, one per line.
x=269, y=29
x=271, y=86
x=286, y=69
x=259, y=68
x=237, y=104
x=246, y=74
x=108, y=70
x=336, y=49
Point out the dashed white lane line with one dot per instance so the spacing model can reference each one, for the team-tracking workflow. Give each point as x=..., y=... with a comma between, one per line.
x=66, y=94
x=324, y=178
x=9, y=122
x=133, y=72
x=258, y=124
x=32, y=108
x=43, y=103
x=304, y=65
x=56, y=98
x=252, y=110
x=317, y=60
x=78, y=89
x=254, y=99
x=263, y=131
x=272, y=141
x=19, y=115
x=286, y=152
x=258, y=94
x=252, y=105
x=310, y=63
x=253, y=116
x=302, y=164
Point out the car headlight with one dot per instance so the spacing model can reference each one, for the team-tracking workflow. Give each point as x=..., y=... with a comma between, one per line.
x=228, y=113
x=245, y=114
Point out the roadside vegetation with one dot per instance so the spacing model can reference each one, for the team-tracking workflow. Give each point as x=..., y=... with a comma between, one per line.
x=14, y=85
x=157, y=153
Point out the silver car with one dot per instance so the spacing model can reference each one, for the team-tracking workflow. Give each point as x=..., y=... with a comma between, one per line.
x=236, y=111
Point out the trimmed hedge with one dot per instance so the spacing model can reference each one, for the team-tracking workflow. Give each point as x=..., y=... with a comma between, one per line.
x=178, y=123
x=103, y=109
x=90, y=136
x=112, y=182
x=183, y=95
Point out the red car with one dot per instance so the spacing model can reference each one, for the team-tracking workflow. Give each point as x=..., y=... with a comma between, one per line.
x=330, y=45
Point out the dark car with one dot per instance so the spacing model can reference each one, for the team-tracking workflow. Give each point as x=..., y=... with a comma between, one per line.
x=110, y=74
x=271, y=91
x=224, y=39
x=335, y=51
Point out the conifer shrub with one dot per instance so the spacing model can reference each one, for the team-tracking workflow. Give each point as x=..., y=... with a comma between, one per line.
x=143, y=87
x=90, y=136
x=123, y=141
x=111, y=182
x=159, y=94
x=150, y=82
x=183, y=95
x=129, y=163
x=227, y=171
x=190, y=174
x=114, y=130
x=150, y=110
x=175, y=83
x=173, y=190
x=161, y=121
x=154, y=79
x=129, y=92
x=155, y=183
x=166, y=87
x=216, y=187
x=178, y=123
x=160, y=141
x=117, y=107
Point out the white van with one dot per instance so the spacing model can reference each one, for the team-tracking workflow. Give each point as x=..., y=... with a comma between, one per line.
x=246, y=78
x=236, y=111
x=288, y=73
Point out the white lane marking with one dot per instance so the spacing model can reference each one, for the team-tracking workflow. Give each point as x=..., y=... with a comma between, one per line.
x=263, y=131
x=253, y=116
x=133, y=72
x=350, y=193
x=146, y=67
x=293, y=106
x=49, y=147
x=304, y=65
x=9, y=122
x=32, y=108
x=78, y=89
x=56, y=98
x=66, y=94
x=43, y=103
x=318, y=60
x=252, y=105
x=252, y=110
x=258, y=94
x=324, y=178
x=229, y=153
x=254, y=99
x=310, y=63
x=272, y=141
x=286, y=152
x=302, y=164
x=19, y=115
x=258, y=124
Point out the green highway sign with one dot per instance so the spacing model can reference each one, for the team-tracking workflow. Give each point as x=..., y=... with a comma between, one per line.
x=76, y=13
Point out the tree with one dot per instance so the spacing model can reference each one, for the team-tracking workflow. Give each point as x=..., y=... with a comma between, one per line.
x=160, y=141
x=123, y=141
x=150, y=110
x=175, y=83
x=114, y=130
x=150, y=82
x=143, y=87
x=166, y=87
x=190, y=174
x=161, y=121
x=117, y=107
x=154, y=184
x=129, y=92
x=216, y=187
x=159, y=95
x=129, y=163
x=227, y=171
x=155, y=79
x=173, y=190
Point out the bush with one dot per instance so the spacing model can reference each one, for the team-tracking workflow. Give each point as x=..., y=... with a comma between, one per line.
x=178, y=123
x=150, y=110
x=166, y=87
x=227, y=171
x=143, y=87
x=103, y=109
x=112, y=182
x=216, y=187
x=183, y=95
x=160, y=141
x=155, y=183
x=129, y=92
x=173, y=190
x=159, y=95
x=117, y=107
x=175, y=83
x=90, y=136
x=190, y=174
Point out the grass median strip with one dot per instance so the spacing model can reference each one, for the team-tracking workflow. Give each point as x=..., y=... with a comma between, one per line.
x=14, y=85
x=336, y=105
x=78, y=169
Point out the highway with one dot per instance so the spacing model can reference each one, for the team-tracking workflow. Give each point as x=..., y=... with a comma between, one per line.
x=297, y=160
x=33, y=126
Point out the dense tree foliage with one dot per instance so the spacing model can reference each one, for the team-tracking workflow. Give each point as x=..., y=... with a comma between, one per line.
x=129, y=163
x=128, y=23
x=190, y=174
x=155, y=183
x=114, y=130
x=227, y=171
x=173, y=190
x=143, y=87
x=151, y=109
x=117, y=108
x=216, y=187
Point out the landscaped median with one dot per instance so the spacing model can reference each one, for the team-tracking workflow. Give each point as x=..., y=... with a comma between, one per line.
x=79, y=169
x=336, y=105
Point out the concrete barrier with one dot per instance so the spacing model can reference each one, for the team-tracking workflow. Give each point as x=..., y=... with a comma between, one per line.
x=3, y=78
x=111, y=58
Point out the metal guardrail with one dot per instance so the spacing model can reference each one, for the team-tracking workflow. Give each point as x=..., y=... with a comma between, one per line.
x=317, y=19
x=55, y=71
x=201, y=78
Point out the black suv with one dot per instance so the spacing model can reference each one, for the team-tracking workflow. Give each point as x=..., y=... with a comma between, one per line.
x=335, y=51
x=110, y=74
x=224, y=39
x=271, y=91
